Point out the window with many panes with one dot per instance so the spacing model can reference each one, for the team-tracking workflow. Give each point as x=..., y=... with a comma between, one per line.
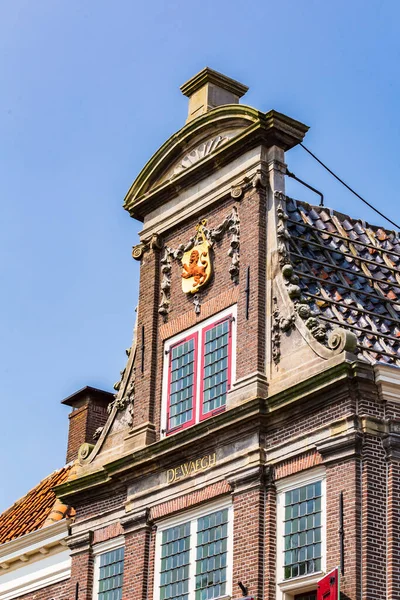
x=303, y=530
x=300, y=534
x=194, y=557
x=199, y=367
x=110, y=570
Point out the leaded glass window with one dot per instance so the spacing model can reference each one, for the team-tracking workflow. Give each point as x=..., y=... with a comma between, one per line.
x=182, y=384
x=199, y=372
x=302, y=530
x=175, y=560
x=110, y=575
x=194, y=558
x=211, y=555
x=216, y=357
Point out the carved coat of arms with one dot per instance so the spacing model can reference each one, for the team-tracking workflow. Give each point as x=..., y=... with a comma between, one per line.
x=196, y=263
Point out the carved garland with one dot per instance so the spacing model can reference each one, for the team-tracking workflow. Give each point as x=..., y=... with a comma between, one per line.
x=279, y=324
x=301, y=304
x=231, y=225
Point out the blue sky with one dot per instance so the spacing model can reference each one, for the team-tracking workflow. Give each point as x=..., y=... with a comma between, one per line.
x=90, y=90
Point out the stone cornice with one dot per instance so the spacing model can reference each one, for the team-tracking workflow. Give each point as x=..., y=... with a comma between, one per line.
x=80, y=542
x=340, y=447
x=251, y=479
x=387, y=378
x=163, y=452
x=30, y=542
x=135, y=521
x=391, y=443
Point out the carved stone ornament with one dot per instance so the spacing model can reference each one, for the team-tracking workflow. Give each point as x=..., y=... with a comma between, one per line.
x=84, y=451
x=196, y=302
x=291, y=280
x=342, y=340
x=196, y=263
x=231, y=226
x=153, y=243
x=280, y=325
x=201, y=151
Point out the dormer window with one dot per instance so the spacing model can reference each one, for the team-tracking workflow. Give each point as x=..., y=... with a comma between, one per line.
x=198, y=372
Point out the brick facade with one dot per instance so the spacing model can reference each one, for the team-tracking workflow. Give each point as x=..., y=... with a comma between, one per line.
x=325, y=415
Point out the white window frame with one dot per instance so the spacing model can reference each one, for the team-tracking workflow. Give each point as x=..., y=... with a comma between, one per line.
x=192, y=516
x=98, y=550
x=287, y=589
x=231, y=311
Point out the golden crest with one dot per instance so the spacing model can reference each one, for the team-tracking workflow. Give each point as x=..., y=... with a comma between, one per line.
x=196, y=263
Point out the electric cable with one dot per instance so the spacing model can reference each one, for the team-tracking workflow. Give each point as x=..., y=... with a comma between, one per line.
x=348, y=187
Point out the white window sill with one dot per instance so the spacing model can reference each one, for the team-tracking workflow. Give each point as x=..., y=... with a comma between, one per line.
x=301, y=584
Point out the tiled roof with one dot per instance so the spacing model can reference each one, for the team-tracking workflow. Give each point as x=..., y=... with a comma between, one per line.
x=348, y=273
x=37, y=508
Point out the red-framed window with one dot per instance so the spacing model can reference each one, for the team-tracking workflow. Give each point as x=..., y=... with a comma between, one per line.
x=216, y=366
x=199, y=374
x=182, y=384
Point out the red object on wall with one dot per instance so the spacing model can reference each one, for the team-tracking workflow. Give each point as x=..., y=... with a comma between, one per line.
x=328, y=586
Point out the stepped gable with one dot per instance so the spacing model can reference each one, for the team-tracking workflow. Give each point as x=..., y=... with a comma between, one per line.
x=36, y=509
x=349, y=273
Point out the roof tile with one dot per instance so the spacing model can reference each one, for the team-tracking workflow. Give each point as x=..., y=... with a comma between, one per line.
x=35, y=509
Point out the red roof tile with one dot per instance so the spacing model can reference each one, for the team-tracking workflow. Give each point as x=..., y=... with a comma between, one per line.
x=37, y=508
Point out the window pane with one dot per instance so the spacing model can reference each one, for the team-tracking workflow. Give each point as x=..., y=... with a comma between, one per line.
x=211, y=555
x=302, y=531
x=215, y=374
x=174, y=575
x=110, y=575
x=181, y=390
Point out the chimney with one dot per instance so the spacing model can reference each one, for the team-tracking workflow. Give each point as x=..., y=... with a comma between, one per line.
x=209, y=89
x=89, y=412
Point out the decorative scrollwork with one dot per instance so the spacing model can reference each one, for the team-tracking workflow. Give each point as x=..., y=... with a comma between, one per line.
x=84, y=451
x=291, y=280
x=342, y=340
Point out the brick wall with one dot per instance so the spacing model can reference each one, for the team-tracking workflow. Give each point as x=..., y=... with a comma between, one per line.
x=248, y=542
x=57, y=591
x=83, y=422
x=393, y=530
x=218, y=294
x=344, y=476
x=374, y=557
x=97, y=506
x=82, y=570
x=136, y=565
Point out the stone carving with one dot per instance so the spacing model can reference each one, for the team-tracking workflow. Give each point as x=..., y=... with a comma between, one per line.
x=153, y=243
x=118, y=383
x=97, y=433
x=301, y=304
x=84, y=452
x=201, y=151
x=259, y=180
x=196, y=302
x=237, y=192
x=230, y=225
x=279, y=324
x=342, y=340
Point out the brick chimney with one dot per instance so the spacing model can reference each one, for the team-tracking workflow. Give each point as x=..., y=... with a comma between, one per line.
x=89, y=412
x=209, y=89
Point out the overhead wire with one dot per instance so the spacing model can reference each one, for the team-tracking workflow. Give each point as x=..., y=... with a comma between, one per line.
x=348, y=187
